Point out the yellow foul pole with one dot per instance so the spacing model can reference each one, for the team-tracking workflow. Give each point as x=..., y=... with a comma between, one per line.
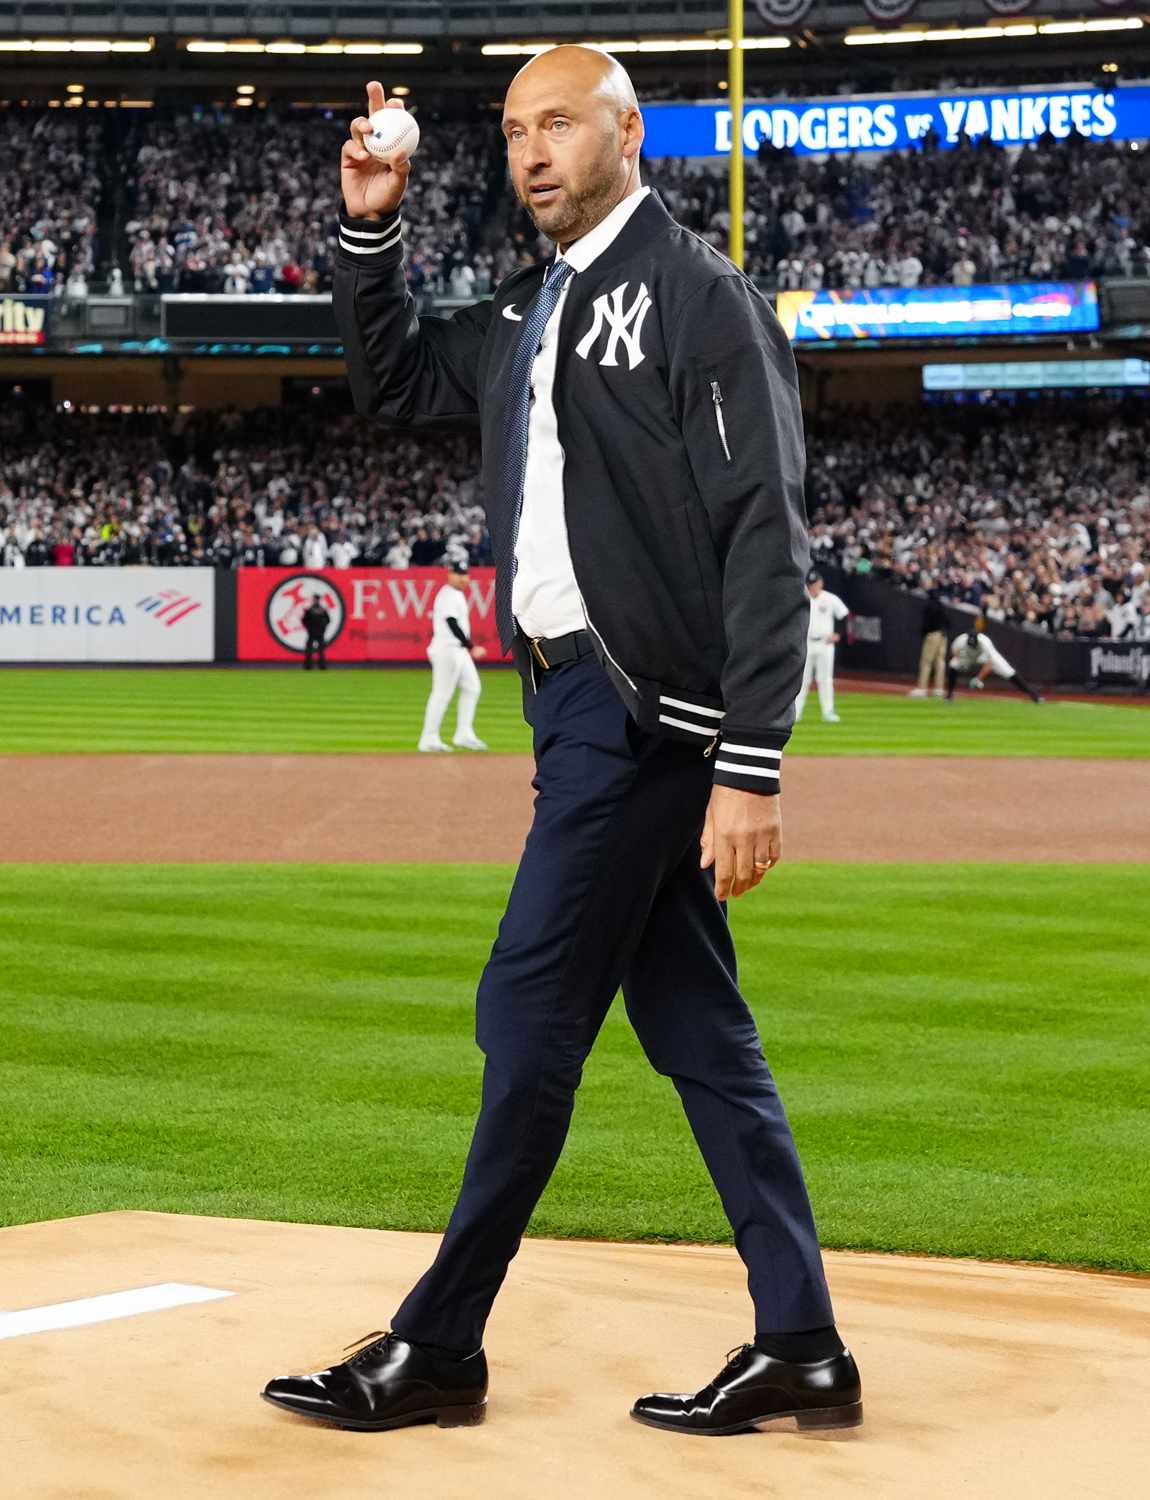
x=735, y=95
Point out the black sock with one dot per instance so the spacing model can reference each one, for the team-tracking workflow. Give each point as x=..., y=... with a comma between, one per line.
x=441, y=1351
x=951, y=682
x=1024, y=686
x=801, y=1348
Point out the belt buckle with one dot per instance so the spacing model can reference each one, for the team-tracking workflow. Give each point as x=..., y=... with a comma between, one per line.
x=537, y=651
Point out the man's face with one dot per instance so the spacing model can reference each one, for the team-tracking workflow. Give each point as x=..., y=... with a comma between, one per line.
x=564, y=152
x=815, y=588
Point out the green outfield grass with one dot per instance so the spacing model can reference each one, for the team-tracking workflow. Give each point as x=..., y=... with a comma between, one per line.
x=965, y=1051
x=364, y=710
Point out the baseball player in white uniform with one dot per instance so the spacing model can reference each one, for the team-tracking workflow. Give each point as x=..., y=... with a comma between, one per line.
x=827, y=610
x=453, y=657
x=974, y=655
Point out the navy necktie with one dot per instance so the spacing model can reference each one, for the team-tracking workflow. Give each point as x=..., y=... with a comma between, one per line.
x=516, y=416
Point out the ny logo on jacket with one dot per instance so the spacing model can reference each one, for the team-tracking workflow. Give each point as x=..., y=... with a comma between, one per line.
x=624, y=326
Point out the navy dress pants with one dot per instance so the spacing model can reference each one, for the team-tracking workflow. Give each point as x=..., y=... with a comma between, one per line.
x=609, y=893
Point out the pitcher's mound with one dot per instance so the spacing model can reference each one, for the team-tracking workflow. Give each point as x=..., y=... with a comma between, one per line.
x=978, y=1380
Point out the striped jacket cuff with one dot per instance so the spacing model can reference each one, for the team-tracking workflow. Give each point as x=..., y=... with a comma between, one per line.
x=749, y=762
x=374, y=244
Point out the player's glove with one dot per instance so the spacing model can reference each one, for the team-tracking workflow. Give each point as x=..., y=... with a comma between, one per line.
x=977, y=684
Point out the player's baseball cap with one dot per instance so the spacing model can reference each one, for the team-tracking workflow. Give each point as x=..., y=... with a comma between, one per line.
x=814, y=576
x=457, y=565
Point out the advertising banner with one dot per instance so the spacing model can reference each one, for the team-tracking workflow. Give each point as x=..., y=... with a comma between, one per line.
x=940, y=311
x=107, y=614
x=1121, y=664
x=1037, y=375
x=377, y=614
x=24, y=320
x=892, y=122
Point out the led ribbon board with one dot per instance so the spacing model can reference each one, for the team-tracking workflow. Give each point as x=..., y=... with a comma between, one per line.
x=1045, y=307
x=891, y=122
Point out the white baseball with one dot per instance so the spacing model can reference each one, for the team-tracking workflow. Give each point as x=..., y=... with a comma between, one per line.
x=392, y=131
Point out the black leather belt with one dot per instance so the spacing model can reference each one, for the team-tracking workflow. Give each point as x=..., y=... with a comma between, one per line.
x=560, y=648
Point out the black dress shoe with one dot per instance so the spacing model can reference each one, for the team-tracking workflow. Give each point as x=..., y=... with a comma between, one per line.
x=755, y=1387
x=389, y=1383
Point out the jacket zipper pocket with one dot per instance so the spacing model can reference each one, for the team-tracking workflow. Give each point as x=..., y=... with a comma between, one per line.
x=717, y=402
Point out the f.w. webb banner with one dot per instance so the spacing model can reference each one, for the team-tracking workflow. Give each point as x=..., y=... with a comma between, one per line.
x=377, y=614
x=107, y=614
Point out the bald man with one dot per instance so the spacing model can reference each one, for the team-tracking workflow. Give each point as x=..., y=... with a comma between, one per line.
x=643, y=468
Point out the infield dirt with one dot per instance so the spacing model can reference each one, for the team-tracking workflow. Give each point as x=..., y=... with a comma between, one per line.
x=473, y=807
x=987, y=1381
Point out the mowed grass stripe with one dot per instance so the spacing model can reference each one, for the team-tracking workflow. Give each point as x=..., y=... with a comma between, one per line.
x=964, y=1052
x=281, y=712
x=235, y=711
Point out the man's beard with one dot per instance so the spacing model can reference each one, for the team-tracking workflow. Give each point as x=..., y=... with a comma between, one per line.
x=585, y=207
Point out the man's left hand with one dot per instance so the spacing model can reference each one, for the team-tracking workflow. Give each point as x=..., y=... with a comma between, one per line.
x=742, y=838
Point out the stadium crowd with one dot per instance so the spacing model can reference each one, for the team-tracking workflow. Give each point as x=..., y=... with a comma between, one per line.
x=236, y=203
x=230, y=489
x=50, y=187
x=244, y=201
x=1059, y=209
x=1037, y=513
x=252, y=208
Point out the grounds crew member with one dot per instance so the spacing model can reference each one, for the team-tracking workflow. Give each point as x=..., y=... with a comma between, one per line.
x=643, y=468
x=452, y=656
x=316, y=619
x=976, y=656
x=932, y=654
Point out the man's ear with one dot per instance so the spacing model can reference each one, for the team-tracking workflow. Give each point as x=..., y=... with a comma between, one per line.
x=634, y=132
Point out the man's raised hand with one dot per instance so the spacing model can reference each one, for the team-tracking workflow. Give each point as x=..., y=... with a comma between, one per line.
x=372, y=189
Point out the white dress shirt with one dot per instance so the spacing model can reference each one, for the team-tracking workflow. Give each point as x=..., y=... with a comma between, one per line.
x=544, y=596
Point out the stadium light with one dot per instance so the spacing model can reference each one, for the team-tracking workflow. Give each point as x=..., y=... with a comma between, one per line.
x=1109, y=23
x=224, y=46
x=910, y=35
x=942, y=34
x=309, y=49
x=654, y=46
x=27, y=44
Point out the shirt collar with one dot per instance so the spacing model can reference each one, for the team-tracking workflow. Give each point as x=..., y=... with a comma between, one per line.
x=588, y=248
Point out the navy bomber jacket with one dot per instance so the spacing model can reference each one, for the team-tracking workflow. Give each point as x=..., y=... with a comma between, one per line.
x=677, y=402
